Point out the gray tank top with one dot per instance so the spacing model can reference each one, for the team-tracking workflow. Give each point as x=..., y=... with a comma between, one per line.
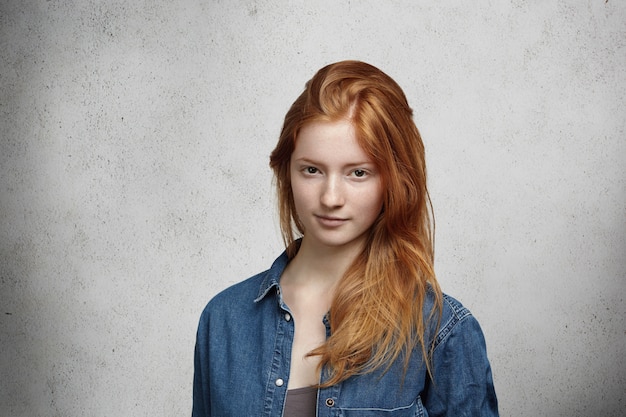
x=301, y=402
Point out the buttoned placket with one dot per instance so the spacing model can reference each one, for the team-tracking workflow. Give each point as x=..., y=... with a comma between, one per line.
x=327, y=400
x=327, y=397
x=276, y=392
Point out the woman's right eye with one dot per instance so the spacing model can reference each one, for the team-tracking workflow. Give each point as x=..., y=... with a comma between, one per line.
x=311, y=170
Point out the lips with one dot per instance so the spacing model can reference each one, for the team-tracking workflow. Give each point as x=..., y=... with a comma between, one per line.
x=331, y=221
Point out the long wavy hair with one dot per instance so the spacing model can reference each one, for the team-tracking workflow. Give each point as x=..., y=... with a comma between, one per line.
x=377, y=313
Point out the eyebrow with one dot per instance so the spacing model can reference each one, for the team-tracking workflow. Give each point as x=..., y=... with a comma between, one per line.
x=351, y=164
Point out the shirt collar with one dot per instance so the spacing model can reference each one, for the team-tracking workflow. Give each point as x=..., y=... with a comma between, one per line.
x=272, y=276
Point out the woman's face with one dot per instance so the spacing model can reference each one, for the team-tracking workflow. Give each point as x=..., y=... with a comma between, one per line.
x=336, y=187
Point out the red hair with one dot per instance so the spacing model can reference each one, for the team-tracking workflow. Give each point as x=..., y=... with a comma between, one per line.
x=376, y=314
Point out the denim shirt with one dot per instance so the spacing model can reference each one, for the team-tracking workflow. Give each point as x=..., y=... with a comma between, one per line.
x=243, y=354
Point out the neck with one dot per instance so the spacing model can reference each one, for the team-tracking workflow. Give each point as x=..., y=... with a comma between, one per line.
x=319, y=265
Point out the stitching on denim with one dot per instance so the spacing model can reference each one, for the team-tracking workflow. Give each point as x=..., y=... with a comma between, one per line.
x=459, y=313
x=378, y=408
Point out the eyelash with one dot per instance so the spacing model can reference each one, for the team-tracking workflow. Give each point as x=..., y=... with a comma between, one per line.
x=313, y=171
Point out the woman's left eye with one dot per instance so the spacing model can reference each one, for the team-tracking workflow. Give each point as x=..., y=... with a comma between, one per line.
x=359, y=173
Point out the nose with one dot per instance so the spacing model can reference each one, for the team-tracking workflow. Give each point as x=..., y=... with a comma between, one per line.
x=332, y=193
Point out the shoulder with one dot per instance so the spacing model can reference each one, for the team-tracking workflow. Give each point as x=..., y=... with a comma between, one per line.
x=456, y=319
x=462, y=383
x=237, y=294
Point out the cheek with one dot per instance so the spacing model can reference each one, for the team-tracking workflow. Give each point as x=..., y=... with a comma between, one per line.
x=377, y=207
x=373, y=203
x=301, y=195
x=378, y=196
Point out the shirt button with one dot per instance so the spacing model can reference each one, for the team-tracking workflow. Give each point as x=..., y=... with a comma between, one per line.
x=330, y=402
x=279, y=382
x=287, y=316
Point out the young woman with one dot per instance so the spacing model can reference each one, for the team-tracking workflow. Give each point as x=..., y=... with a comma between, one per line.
x=350, y=320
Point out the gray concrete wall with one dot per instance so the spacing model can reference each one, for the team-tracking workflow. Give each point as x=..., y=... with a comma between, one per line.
x=134, y=141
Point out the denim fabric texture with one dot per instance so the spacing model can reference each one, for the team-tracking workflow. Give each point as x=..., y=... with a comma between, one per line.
x=243, y=354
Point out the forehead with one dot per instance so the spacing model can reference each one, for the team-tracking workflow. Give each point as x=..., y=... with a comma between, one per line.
x=330, y=142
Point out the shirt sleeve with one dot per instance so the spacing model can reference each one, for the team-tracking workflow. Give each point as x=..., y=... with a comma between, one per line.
x=462, y=384
x=201, y=392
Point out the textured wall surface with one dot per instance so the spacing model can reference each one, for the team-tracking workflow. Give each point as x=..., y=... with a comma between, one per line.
x=134, y=141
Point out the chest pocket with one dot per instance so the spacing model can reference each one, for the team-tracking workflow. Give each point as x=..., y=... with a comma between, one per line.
x=416, y=409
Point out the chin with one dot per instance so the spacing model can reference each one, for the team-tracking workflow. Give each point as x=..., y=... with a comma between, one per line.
x=339, y=242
